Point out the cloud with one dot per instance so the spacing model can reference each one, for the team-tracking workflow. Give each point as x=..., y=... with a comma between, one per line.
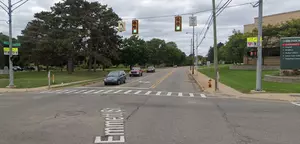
x=154, y=26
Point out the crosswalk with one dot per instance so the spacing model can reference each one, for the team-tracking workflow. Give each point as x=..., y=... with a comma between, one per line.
x=124, y=91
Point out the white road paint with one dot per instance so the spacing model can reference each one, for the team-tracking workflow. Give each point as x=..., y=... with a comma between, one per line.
x=127, y=91
x=80, y=91
x=99, y=91
x=71, y=91
x=158, y=93
x=191, y=94
x=89, y=91
x=169, y=93
x=63, y=91
x=147, y=93
x=118, y=91
x=180, y=94
x=203, y=95
x=114, y=127
x=296, y=103
x=107, y=91
x=137, y=92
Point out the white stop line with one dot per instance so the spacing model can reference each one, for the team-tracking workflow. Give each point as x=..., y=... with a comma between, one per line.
x=296, y=103
x=114, y=126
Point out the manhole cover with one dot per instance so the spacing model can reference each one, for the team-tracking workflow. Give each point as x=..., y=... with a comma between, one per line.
x=70, y=113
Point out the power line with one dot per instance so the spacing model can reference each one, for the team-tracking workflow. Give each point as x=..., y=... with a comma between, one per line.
x=164, y=16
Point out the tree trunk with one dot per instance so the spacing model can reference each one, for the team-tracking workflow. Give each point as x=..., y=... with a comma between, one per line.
x=90, y=63
x=95, y=63
x=103, y=67
x=70, y=63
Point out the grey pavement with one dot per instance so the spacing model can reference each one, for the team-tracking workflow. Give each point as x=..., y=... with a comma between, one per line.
x=59, y=117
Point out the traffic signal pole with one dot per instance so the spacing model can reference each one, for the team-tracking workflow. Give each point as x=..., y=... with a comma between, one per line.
x=259, y=47
x=215, y=46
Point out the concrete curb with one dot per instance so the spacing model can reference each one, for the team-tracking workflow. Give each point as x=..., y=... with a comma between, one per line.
x=3, y=90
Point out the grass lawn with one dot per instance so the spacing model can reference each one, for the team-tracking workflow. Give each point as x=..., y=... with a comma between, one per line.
x=245, y=80
x=37, y=79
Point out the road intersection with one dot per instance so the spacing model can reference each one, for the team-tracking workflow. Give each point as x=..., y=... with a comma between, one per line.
x=165, y=107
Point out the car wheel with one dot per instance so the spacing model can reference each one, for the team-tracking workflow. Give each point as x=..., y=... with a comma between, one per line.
x=105, y=83
x=118, y=82
x=141, y=74
x=124, y=81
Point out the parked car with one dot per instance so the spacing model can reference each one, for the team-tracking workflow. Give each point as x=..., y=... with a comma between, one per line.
x=150, y=69
x=136, y=71
x=115, y=77
x=17, y=68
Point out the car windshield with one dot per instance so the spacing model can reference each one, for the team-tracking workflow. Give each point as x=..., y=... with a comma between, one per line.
x=135, y=68
x=150, y=67
x=113, y=74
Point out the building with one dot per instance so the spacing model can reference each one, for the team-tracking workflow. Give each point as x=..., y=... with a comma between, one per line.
x=271, y=56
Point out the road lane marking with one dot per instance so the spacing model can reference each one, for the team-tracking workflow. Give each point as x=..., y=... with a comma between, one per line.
x=114, y=131
x=296, y=103
x=63, y=91
x=158, y=93
x=107, y=91
x=162, y=79
x=169, y=93
x=203, y=95
x=127, y=91
x=89, y=91
x=137, y=92
x=148, y=93
x=180, y=94
x=80, y=91
x=71, y=91
x=118, y=91
x=99, y=91
x=191, y=94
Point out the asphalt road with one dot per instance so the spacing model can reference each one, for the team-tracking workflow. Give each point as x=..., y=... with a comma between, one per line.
x=174, y=112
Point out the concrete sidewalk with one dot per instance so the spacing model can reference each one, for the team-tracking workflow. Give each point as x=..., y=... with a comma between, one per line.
x=2, y=90
x=224, y=90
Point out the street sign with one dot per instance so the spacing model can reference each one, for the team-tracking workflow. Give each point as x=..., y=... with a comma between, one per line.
x=15, y=51
x=290, y=53
x=14, y=44
x=121, y=26
x=252, y=41
x=193, y=21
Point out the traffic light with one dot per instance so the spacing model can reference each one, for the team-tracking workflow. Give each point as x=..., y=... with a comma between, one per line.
x=178, y=24
x=135, y=26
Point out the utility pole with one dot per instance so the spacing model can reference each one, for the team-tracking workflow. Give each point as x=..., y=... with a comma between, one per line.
x=259, y=47
x=197, y=51
x=9, y=11
x=191, y=53
x=215, y=46
x=193, y=69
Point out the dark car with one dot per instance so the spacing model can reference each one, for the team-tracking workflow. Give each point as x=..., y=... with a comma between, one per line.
x=151, y=69
x=115, y=77
x=136, y=71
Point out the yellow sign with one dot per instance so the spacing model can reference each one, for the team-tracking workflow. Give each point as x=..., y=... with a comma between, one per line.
x=15, y=51
x=253, y=39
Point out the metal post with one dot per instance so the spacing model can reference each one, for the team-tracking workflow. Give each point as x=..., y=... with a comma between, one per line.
x=193, y=69
x=259, y=47
x=191, y=52
x=215, y=45
x=49, y=79
x=11, y=72
x=197, y=51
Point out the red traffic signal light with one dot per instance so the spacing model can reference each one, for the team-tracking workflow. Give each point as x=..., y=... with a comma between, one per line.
x=178, y=23
x=135, y=26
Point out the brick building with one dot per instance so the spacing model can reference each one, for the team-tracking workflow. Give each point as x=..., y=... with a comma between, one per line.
x=271, y=56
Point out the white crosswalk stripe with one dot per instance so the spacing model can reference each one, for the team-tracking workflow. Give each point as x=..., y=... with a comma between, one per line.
x=158, y=93
x=191, y=94
x=118, y=91
x=99, y=91
x=137, y=92
x=148, y=93
x=125, y=91
x=107, y=91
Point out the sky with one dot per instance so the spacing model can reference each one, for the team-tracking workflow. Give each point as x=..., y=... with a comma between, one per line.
x=153, y=25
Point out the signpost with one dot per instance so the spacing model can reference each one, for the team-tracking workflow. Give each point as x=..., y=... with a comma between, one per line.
x=15, y=51
x=252, y=41
x=290, y=53
x=193, y=21
x=121, y=26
